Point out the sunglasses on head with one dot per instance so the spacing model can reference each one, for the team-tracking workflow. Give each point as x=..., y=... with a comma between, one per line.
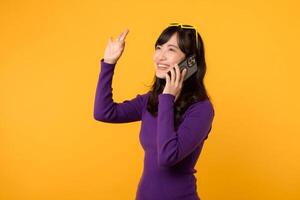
x=186, y=26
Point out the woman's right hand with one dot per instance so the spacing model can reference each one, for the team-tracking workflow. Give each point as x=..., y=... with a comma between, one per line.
x=115, y=48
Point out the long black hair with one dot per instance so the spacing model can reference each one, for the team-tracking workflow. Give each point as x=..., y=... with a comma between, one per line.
x=193, y=89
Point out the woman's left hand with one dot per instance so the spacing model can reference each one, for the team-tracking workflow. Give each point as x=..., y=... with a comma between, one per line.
x=174, y=84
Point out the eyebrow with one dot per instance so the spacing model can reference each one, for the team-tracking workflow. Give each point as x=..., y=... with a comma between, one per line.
x=172, y=45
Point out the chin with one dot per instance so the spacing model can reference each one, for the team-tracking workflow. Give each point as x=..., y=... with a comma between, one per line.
x=161, y=75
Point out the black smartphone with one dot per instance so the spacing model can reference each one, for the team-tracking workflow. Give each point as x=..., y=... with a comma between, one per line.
x=189, y=64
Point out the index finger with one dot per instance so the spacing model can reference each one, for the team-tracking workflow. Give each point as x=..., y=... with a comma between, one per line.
x=183, y=75
x=124, y=34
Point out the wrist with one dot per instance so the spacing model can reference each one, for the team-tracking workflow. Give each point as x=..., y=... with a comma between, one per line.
x=109, y=61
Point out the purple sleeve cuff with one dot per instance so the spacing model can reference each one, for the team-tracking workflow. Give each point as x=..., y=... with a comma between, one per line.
x=106, y=64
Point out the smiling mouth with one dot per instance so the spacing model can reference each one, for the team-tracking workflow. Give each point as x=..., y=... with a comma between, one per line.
x=162, y=67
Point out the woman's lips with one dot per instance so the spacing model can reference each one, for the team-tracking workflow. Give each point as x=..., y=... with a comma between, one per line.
x=162, y=67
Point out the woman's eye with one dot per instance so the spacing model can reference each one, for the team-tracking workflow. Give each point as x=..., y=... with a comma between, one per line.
x=172, y=49
x=157, y=47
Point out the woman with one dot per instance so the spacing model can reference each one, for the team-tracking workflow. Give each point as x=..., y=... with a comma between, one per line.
x=176, y=116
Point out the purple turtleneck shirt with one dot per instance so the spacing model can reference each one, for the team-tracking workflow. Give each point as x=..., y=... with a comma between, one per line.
x=170, y=152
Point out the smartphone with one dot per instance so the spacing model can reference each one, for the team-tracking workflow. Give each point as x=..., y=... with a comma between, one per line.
x=189, y=64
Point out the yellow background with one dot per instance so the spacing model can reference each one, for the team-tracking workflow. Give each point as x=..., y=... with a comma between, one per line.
x=52, y=148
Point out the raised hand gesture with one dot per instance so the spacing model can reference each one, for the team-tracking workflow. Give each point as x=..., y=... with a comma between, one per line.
x=114, y=48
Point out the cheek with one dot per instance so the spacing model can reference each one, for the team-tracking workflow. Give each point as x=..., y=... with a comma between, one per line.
x=155, y=55
x=175, y=59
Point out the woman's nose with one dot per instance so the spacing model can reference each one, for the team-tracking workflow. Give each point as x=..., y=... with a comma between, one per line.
x=162, y=55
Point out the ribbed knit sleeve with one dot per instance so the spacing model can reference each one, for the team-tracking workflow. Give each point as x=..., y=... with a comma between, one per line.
x=106, y=110
x=173, y=146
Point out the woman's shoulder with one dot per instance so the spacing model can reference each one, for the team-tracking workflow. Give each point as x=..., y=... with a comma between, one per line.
x=200, y=107
x=202, y=110
x=143, y=97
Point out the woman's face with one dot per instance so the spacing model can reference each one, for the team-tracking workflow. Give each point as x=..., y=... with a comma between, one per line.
x=166, y=56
